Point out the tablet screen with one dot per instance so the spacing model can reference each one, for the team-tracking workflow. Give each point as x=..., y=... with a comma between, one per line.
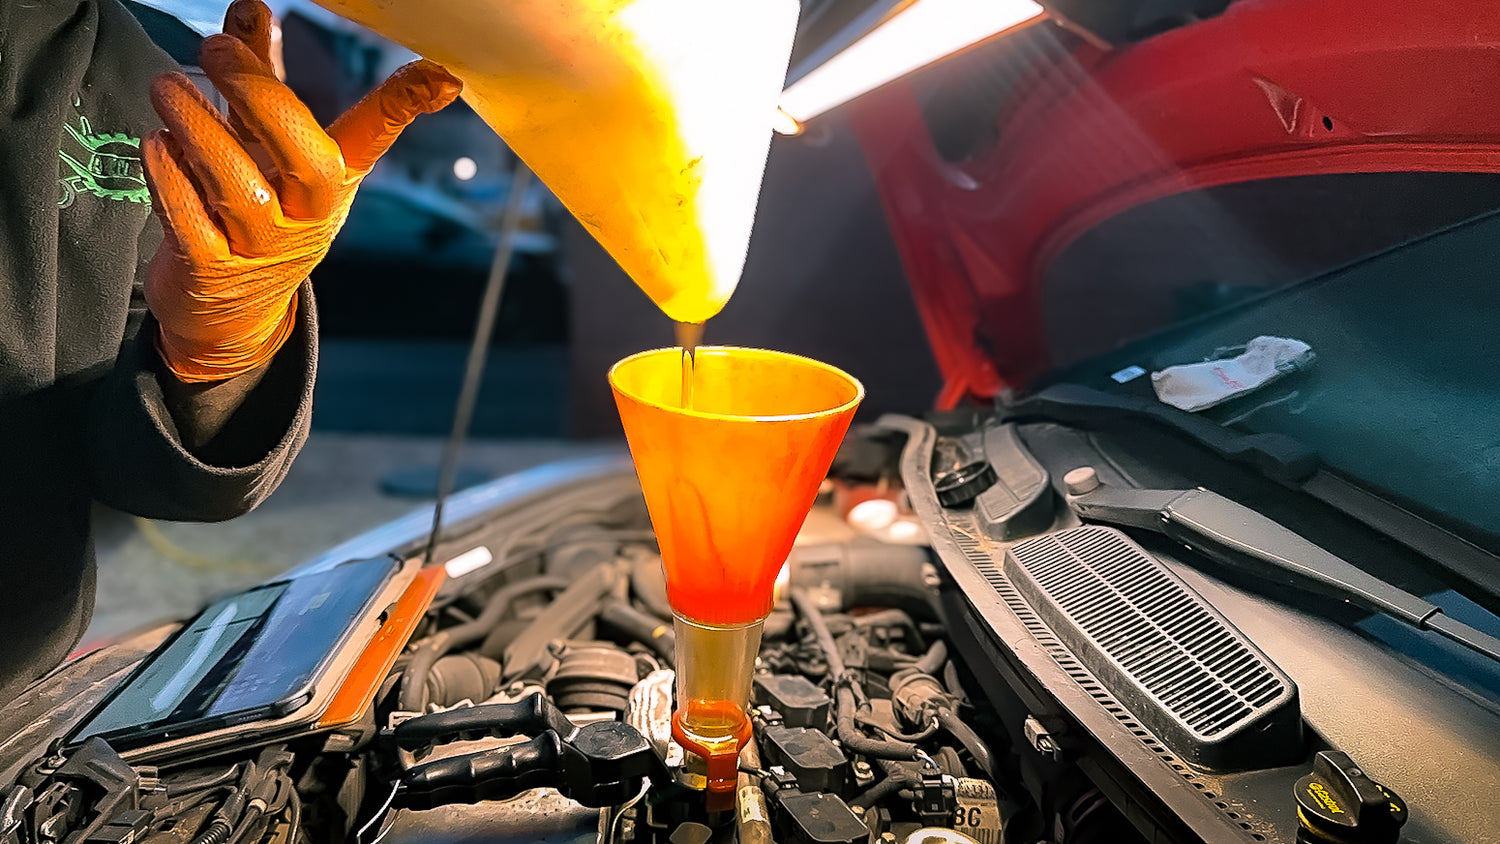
x=246, y=657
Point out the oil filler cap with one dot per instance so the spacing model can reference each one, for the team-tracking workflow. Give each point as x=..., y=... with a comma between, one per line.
x=961, y=486
x=1339, y=803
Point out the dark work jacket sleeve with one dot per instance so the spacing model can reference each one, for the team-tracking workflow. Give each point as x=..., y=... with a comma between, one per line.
x=82, y=414
x=140, y=464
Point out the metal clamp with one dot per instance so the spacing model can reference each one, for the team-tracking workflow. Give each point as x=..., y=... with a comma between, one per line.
x=1040, y=739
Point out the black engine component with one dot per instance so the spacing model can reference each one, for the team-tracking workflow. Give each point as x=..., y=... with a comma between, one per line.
x=601, y=764
x=1339, y=803
x=592, y=677
x=427, y=652
x=630, y=623
x=460, y=677
x=93, y=776
x=805, y=818
x=798, y=701
x=121, y=829
x=809, y=755
x=867, y=456
x=918, y=697
x=530, y=715
x=864, y=573
x=1020, y=503
x=563, y=618
x=961, y=486
x=847, y=692
x=1136, y=625
x=921, y=701
x=937, y=796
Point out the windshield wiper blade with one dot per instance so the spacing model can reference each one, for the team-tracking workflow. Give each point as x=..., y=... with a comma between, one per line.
x=1277, y=456
x=1241, y=538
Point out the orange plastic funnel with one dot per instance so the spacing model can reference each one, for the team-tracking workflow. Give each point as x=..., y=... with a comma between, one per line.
x=649, y=119
x=728, y=482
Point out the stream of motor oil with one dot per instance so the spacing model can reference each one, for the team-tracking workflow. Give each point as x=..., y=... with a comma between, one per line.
x=689, y=335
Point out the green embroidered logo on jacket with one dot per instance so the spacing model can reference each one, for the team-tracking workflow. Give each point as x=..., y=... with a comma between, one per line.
x=104, y=164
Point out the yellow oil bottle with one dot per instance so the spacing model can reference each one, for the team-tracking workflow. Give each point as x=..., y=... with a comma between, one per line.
x=649, y=119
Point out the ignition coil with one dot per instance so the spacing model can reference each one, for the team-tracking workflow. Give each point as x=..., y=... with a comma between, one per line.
x=599, y=764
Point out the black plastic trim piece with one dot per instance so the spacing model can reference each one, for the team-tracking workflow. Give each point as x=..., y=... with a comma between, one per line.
x=1277, y=456
x=1164, y=651
x=1131, y=759
x=1020, y=503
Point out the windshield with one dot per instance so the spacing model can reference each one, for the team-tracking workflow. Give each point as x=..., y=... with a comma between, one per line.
x=1261, y=170
x=1401, y=394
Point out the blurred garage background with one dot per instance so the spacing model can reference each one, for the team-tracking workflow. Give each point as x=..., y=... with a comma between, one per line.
x=398, y=296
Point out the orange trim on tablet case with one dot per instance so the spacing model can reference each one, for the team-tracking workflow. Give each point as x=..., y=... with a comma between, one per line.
x=358, y=691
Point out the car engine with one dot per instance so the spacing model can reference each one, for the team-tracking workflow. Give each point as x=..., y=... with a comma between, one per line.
x=533, y=703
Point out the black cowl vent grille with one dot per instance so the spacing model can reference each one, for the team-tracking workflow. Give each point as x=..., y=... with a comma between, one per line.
x=1179, y=666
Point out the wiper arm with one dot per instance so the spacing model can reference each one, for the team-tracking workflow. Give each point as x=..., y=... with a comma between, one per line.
x=1237, y=536
x=1276, y=455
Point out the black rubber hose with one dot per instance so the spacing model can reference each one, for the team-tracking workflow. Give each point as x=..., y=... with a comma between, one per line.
x=848, y=732
x=896, y=779
x=814, y=618
x=649, y=585
x=293, y=819
x=877, y=793
x=855, y=741
x=868, y=573
x=253, y=813
x=498, y=604
x=921, y=735
x=983, y=758
x=640, y=627
x=463, y=676
x=932, y=661
x=413, y=697
x=951, y=682
x=177, y=788
x=222, y=826
x=883, y=575
x=578, y=605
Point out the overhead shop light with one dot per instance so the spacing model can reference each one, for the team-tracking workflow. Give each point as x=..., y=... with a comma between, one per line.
x=920, y=33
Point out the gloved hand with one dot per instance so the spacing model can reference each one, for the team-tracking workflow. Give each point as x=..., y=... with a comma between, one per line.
x=240, y=237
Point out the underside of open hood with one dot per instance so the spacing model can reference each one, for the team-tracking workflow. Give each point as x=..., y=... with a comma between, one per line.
x=993, y=163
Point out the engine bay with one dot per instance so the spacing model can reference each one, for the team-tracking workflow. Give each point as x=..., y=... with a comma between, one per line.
x=1014, y=669
x=533, y=702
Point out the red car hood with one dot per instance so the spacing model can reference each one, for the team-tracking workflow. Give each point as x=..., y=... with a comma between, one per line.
x=1268, y=89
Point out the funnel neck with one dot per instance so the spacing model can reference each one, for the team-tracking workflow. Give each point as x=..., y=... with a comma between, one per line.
x=714, y=667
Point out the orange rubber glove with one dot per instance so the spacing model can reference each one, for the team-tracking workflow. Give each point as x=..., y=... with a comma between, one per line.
x=241, y=236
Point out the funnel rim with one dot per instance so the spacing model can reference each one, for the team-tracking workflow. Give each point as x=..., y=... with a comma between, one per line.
x=859, y=387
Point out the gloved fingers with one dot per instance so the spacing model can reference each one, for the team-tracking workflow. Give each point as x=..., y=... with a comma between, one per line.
x=249, y=21
x=308, y=163
x=186, y=222
x=370, y=126
x=235, y=190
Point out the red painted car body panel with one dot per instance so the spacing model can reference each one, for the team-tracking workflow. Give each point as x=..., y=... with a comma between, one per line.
x=1270, y=88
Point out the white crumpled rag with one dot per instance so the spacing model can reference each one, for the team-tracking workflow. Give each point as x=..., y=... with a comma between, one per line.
x=1199, y=386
